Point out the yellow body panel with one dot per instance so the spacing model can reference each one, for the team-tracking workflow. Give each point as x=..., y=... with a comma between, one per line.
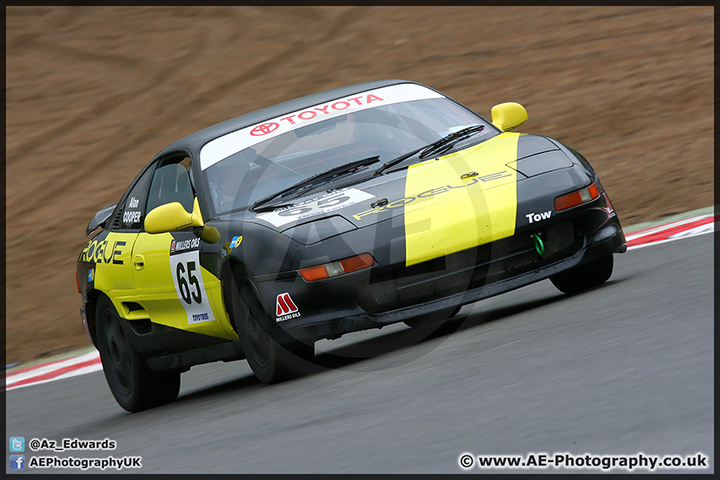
x=132, y=268
x=157, y=293
x=113, y=267
x=448, y=214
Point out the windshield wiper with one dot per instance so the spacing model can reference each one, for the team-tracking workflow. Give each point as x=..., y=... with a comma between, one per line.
x=310, y=181
x=433, y=147
x=267, y=208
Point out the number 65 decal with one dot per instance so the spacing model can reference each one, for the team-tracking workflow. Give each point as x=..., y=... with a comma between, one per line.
x=187, y=277
x=182, y=282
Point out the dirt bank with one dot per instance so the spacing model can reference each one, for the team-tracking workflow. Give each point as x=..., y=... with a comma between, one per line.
x=94, y=92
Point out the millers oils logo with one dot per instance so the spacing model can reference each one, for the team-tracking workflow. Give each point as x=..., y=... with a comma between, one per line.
x=285, y=308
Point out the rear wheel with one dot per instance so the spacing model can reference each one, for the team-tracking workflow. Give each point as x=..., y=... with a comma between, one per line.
x=584, y=276
x=130, y=380
x=271, y=360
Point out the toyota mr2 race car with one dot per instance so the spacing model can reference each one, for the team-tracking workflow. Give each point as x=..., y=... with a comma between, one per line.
x=337, y=212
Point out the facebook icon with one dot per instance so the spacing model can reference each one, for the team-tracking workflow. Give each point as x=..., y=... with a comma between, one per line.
x=17, y=462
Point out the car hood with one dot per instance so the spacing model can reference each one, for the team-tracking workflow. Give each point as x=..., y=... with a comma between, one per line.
x=472, y=188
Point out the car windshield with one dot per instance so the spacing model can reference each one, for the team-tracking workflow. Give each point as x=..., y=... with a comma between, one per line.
x=387, y=131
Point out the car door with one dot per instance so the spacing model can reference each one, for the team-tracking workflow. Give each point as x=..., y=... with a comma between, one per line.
x=171, y=284
x=110, y=252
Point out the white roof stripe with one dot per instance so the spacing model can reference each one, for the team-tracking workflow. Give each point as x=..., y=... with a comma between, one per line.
x=223, y=147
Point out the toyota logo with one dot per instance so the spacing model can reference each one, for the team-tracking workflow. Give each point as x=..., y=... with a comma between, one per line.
x=264, y=129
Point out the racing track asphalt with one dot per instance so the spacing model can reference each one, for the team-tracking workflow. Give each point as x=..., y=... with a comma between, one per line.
x=621, y=369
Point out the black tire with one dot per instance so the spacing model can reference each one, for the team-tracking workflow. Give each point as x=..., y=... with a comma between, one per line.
x=130, y=380
x=585, y=276
x=271, y=359
x=432, y=318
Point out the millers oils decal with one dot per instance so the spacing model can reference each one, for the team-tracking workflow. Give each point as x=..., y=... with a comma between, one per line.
x=477, y=209
x=285, y=308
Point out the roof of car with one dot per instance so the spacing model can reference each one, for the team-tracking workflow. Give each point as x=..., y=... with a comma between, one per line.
x=195, y=141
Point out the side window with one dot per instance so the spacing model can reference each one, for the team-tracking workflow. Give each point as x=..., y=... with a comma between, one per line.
x=171, y=183
x=130, y=212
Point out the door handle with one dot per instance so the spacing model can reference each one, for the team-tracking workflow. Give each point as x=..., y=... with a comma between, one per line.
x=139, y=262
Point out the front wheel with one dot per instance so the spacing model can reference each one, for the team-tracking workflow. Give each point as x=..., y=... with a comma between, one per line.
x=584, y=276
x=130, y=380
x=269, y=360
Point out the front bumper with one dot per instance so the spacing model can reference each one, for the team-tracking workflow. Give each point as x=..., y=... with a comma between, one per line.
x=384, y=295
x=609, y=240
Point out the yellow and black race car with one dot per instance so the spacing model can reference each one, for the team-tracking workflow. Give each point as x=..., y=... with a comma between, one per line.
x=337, y=212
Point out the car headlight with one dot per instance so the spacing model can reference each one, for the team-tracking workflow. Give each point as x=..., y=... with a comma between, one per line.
x=578, y=197
x=333, y=269
x=540, y=163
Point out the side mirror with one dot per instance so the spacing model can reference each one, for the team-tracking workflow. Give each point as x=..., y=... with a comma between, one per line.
x=100, y=219
x=507, y=116
x=172, y=217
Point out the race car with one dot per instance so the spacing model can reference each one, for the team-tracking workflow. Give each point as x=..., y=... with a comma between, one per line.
x=341, y=211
